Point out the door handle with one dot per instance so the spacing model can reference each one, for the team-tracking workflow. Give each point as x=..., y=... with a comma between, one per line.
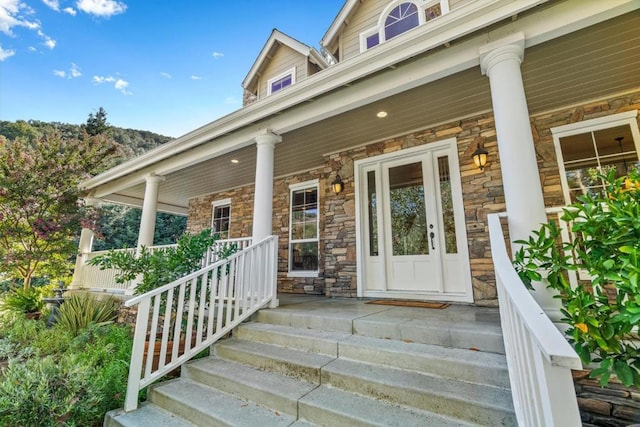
x=432, y=235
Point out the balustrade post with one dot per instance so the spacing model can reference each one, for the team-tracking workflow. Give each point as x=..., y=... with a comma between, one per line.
x=137, y=354
x=85, y=246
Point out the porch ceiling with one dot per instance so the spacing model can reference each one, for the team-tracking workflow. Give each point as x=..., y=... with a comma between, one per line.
x=585, y=65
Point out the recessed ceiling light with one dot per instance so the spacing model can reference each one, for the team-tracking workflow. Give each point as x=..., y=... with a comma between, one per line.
x=382, y=114
x=235, y=161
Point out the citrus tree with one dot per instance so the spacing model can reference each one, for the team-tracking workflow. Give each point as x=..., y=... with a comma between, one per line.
x=603, y=315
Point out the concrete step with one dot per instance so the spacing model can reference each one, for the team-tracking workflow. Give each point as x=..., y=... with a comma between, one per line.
x=443, y=332
x=474, y=403
x=148, y=415
x=206, y=406
x=455, y=363
x=466, y=365
x=310, y=320
x=266, y=388
x=326, y=406
x=293, y=363
x=310, y=340
x=456, y=326
x=313, y=404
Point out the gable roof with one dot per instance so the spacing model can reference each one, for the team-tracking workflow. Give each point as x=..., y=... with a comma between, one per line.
x=279, y=38
x=347, y=10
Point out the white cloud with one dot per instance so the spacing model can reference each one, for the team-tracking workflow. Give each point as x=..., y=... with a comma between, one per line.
x=75, y=71
x=196, y=78
x=4, y=54
x=71, y=11
x=217, y=55
x=32, y=49
x=122, y=86
x=230, y=100
x=103, y=8
x=119, y=84
x=101, y=79
x=49, y=42
x=166, y=75
x=12, y=15
x=53, y=4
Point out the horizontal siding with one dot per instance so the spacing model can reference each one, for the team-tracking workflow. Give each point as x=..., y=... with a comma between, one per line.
x=282, y=60
x=365, y=17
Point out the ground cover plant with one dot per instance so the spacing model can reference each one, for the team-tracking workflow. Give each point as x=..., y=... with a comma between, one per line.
x=603, y=315
x=59, y=377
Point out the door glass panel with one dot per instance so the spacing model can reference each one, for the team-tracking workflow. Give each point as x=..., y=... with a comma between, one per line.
x=408, y=210
x=448, y=219
x=373, y=213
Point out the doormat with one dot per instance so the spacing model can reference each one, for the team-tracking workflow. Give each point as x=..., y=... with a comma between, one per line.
x=403, y=303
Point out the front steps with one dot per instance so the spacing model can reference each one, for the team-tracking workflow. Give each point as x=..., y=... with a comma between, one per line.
x=292, y=369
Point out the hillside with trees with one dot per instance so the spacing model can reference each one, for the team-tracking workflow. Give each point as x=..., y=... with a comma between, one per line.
x=39, y=218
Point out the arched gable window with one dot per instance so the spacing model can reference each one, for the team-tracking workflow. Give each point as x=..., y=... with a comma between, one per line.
x=401, y=19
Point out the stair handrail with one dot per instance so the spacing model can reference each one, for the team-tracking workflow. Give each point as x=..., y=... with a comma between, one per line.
x=222, y=294
x=539, y=357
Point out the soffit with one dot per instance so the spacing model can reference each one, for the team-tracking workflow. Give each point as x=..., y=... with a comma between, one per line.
x=576, y=68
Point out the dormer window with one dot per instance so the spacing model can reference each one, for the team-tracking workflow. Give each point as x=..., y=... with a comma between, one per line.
x=400, y=17
x=281, y=81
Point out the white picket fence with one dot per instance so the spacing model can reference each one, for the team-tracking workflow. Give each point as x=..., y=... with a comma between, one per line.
x=187, y=316
x=539, y=357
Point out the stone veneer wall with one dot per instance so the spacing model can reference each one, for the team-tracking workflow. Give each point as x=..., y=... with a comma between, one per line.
x=612, y=406
x=541, y=125
x=482, y=195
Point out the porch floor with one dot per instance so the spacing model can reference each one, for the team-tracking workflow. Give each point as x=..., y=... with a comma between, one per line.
x=461, y=326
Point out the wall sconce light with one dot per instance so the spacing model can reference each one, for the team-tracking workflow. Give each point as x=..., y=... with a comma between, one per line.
x=480, y=157
x=337, y=185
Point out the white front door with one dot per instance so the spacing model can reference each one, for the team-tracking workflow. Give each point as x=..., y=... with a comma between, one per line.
x=411, y=225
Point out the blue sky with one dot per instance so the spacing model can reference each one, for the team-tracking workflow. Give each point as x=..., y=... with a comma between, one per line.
x=168, y=66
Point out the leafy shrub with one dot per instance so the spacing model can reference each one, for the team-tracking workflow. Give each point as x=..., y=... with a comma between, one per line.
x=20, y=300
x=74, y=386
x=602, y=317
x=158, y=267
x=82, y=309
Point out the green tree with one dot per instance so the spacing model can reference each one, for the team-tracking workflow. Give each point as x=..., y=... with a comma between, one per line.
x=119, y=228
x=97, y=124
x=39, y=193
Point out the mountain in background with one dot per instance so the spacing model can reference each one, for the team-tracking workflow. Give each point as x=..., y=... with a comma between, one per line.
x=134, y=142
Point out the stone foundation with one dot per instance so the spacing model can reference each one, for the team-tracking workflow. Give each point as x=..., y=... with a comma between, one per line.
x=612, y=406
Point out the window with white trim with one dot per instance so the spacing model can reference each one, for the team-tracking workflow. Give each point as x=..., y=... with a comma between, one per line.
x=221, y=218
x=586, y=149
x=281, y=81
x=400, y=17
x=304, y=229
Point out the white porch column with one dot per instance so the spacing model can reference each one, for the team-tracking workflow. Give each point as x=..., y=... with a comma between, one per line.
x=500, y=61
x=263, y=193
x=85, y=245
x=149, y=210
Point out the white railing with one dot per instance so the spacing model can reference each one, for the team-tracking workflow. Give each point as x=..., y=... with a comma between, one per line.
x=221, y=246
x=188, y=315
x=89, y=276
x=539, y=357
x=92, y=277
